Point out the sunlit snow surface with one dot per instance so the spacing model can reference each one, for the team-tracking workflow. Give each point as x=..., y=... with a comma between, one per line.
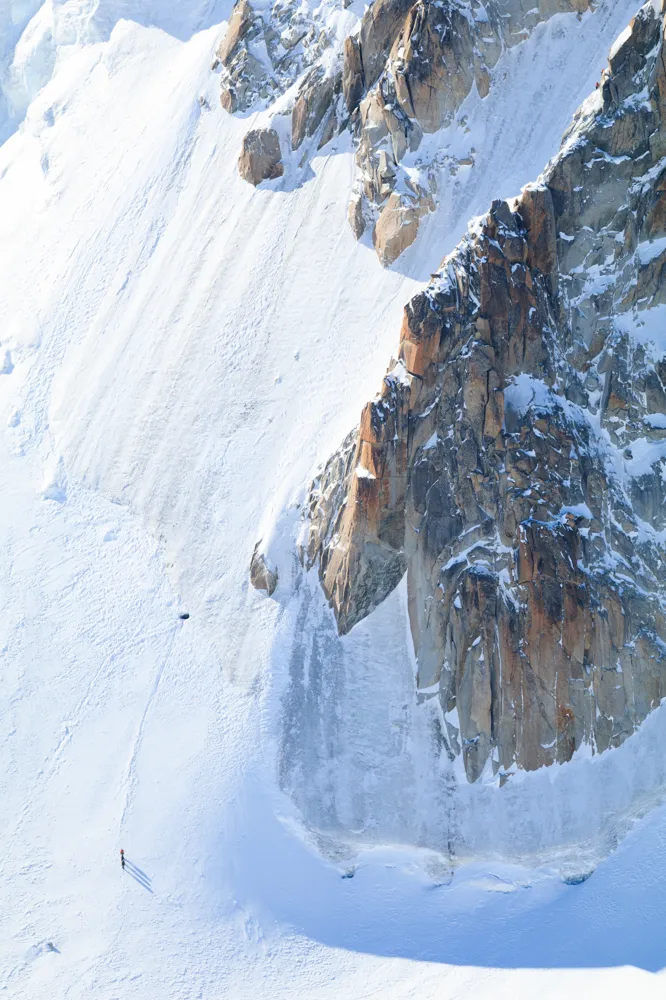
x=179, y=353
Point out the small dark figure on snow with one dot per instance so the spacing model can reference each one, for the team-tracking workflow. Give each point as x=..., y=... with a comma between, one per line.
x=122, y=858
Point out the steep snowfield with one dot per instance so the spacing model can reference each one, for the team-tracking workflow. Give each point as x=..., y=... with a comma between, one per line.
x=178, y=353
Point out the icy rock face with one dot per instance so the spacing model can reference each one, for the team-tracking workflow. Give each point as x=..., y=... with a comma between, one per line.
x=404, y=71
x=514, y=462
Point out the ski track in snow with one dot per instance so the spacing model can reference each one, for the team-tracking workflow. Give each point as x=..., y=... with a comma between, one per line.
x=185, y=351
x=131, y=770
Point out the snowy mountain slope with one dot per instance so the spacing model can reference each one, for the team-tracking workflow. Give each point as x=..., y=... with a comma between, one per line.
x=169, y=339
x=37, y=37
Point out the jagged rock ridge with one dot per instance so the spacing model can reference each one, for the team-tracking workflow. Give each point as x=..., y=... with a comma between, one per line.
x=402, y=72
x=434, y=54
x=514, y=462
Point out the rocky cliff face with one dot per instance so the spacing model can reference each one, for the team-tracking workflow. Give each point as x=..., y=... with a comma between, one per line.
x=401, y=71
x=513, y=464
x=264, y=51
x=433, y=54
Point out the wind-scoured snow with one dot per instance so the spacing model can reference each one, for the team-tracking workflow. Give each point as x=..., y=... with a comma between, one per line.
x=179, y=352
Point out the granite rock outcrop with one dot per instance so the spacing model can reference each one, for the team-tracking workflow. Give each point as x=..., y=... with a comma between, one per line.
x=402, y=71
x=513, y=463
x=260, y=157
x=434, y=54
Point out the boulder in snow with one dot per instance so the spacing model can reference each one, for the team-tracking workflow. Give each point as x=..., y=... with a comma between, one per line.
x=260, y=158
x=262, y=575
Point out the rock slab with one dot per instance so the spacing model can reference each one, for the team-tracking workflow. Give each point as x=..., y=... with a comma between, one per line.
x=260, y=157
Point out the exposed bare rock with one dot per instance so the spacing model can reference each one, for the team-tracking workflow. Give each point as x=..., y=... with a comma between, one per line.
x=396, y=227
x=379, y=27
x=262, y=575
x=432, y=63
x=240, y=23
x=355, y=215
x=434, y=54
x=260, y=158
x=405, y=73
x=513, y=462
x=264, y=51
x=315, y=103
x=353, y=79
